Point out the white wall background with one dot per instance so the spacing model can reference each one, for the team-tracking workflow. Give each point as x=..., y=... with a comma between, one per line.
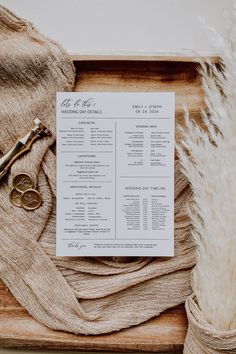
x=124, y=26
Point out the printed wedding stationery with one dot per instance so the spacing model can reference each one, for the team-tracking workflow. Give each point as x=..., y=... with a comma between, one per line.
x=115, y=174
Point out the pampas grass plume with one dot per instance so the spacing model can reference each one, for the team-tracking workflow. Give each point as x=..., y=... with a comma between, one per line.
x=209, y=161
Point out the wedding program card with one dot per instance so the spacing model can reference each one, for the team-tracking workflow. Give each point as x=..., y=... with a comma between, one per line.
x=115, y=174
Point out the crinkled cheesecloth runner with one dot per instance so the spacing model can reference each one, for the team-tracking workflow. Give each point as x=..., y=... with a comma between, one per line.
x=202, y=337
x=79, y=295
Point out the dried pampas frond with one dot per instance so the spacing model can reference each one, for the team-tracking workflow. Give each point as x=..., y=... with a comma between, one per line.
x=209, y=161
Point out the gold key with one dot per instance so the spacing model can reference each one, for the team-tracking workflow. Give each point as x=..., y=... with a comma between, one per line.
x=31, y=199
x=22, y=182
x=15, y=198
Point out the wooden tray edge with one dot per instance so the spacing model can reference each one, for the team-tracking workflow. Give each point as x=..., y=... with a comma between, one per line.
x=122, y=57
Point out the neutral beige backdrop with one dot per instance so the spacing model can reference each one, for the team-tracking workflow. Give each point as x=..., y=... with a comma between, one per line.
x=125, y=27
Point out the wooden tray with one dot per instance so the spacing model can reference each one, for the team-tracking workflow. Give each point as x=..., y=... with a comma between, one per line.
x=167, y=332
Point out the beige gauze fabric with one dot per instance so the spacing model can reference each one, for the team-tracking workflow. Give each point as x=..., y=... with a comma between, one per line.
x=202, y=337
x=79, y=295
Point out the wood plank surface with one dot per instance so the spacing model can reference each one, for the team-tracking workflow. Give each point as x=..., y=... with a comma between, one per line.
x=165, y=333
x=146, y=76
x=141, y=57
x=18, y=329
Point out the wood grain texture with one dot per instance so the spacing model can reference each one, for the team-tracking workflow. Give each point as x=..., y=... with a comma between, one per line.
x=140, y=57
x=165, y=333
x=18, y=329
x=146, y=76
